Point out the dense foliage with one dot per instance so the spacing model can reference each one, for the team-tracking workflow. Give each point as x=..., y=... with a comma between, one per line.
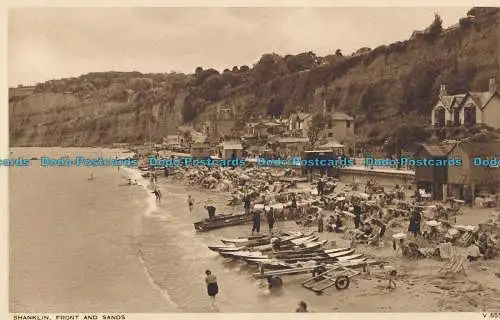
x=393, y=85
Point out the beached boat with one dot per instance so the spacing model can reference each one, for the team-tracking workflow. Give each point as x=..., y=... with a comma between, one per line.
x=266, y=240
x=221, y=221
x=303, y=248
x=243, y=255
x=247, y=241
x=223, y=248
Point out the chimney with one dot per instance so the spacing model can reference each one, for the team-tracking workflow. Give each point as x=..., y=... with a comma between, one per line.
x=324, y=108
x=493, y=86
x=442, y=90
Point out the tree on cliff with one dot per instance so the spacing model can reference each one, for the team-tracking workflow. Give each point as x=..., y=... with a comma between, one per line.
x=436, y=26
x=318, y=123
x=300, y=62
x=275, y=107
x=269, y=67
x=338, y=53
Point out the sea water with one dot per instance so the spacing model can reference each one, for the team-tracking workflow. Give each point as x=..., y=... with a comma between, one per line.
x=99, y=246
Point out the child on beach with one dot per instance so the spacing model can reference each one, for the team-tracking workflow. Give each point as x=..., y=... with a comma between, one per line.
x=157, y=194
x=190, y=201
x=302, y=307
x=212, y=286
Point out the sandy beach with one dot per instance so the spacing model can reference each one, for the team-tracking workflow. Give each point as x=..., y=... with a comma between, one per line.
x=93, y=246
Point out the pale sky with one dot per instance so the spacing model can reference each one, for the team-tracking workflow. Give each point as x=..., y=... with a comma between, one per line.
x=51, y=43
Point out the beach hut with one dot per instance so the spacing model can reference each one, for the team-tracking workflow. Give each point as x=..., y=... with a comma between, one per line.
x=200, y=150
x=433, y=178
x=231, y=150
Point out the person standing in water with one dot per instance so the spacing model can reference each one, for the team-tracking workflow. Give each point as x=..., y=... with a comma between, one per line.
x=212, y=286
x=190, y=201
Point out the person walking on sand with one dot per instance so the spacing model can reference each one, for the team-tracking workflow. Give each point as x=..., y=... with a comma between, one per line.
x=294, y=207
x=190, y=201
x=212, y=286
x=302, y=307
x=270, y=220
x=357, y=215
x=247, y=203
x=157, y=194
x=256, y=222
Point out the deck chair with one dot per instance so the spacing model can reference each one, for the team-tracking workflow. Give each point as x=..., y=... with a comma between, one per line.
x=446, y=250
x=454, y=265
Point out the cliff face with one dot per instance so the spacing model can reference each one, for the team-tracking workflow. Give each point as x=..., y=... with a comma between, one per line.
x=385, y=89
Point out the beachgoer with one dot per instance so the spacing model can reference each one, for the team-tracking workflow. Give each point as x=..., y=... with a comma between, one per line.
x=414, y=226
x=473, y=253
x=338, y=225
x=92, y=177
x=357, y=215
x=274, y=282
x=211, y=212
x=247, y=203
x=212, y=286
x=256, y=222
x=320, y=221
x=294, y=207
x=302, y=307
x=190, y=201
x=270, y=220
x=157, y=194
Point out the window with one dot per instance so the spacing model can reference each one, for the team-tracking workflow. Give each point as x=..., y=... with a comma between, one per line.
x=330, y=135
x=470, y=115
x=439, y=117
x=348, y=124
x=456, y=117
x=330, y=125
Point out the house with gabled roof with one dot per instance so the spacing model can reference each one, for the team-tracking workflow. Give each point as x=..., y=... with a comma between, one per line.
x=300, y=122
x=339, y=126
x=467, y=109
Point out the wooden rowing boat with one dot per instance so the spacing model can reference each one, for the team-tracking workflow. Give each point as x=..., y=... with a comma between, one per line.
x=221, y=221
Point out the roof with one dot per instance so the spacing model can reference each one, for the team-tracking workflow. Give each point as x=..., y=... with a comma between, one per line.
x=318, y=151
x=271, y=124
x=302, y=115
x=232, y=146
x=292, y=140
x=340, y=116
x=331, y=145
x=438, y=151
x=480, y=149
x=481, y=99
x=199, y=145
